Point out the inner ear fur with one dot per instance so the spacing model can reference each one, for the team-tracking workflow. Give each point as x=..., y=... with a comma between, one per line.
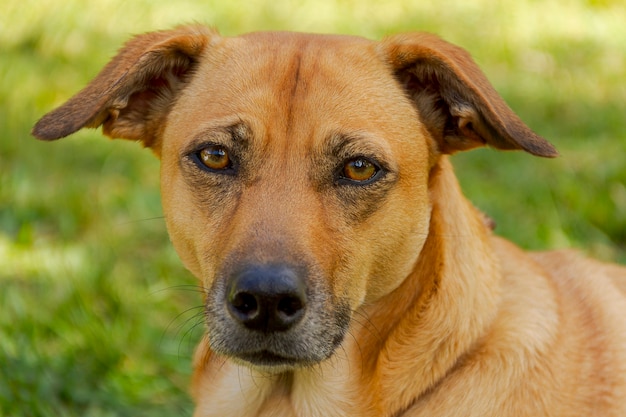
x=133, y=93
x=457, y=103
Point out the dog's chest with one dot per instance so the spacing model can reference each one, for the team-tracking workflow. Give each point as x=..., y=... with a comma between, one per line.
x=240, y=391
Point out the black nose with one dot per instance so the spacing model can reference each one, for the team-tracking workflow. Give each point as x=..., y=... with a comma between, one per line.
x=267, y=298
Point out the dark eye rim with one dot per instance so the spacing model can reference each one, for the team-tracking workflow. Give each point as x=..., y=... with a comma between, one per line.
x=230, y=169
x=340, y=179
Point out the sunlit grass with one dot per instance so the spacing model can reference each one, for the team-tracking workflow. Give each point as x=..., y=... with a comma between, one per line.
x=97, y=315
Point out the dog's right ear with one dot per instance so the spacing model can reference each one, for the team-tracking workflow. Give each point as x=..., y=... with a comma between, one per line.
x=133, y=93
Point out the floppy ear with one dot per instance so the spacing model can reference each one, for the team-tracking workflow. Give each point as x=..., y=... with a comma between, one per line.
x=133, y=93
x=456, y=101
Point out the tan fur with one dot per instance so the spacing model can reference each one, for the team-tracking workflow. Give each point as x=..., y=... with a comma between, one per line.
x=445, y=319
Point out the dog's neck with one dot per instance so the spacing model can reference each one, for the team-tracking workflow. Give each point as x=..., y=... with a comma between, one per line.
x=457, y=258
x=373, y=361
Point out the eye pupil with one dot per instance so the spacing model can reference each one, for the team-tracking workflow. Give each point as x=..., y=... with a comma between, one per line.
x=215, y=157
x=359, y=169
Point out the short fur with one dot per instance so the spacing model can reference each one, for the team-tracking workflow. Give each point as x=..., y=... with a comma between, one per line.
x=413, y=306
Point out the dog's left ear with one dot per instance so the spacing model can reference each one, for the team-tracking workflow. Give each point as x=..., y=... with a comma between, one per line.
x=133, y=93
x=456, y=101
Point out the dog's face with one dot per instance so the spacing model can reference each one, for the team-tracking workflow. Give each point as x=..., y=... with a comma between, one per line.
x=295, y=190
x=295, y=168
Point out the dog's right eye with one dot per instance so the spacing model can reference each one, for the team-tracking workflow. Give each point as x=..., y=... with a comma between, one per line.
x=214, y=157
x=359, y=170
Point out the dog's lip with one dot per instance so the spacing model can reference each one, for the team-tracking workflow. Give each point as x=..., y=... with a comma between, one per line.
x=267, y=358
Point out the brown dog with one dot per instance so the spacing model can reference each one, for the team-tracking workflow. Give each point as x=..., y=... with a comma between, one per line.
x=306, y=184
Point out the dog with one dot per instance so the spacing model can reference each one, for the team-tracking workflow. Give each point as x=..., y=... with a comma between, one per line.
x=306, y=183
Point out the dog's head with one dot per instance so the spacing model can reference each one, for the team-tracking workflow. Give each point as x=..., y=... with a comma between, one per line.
x=295, y=168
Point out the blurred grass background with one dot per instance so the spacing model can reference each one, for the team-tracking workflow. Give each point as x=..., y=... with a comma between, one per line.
x=98, y=317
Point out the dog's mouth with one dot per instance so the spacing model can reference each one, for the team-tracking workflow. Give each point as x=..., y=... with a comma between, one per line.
x=315, y=339
x=313, y=342
x=268, y=359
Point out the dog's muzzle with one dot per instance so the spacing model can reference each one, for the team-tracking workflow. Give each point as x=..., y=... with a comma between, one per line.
x=275, y=316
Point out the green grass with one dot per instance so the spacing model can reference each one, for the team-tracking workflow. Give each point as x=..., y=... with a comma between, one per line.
x=97, y=315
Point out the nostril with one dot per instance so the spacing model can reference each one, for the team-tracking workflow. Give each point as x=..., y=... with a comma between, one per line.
x=290, y=306
x=245, y=304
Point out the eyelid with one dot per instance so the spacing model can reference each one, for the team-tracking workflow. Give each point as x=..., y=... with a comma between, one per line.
x=197, y=147
x=230, y=135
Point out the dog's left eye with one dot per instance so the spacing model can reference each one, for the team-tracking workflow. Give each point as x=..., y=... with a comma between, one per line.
x=359, y=170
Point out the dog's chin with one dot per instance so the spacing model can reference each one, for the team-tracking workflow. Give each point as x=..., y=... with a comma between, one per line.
x=272, y=363
x=276, y=353
x=279, y=358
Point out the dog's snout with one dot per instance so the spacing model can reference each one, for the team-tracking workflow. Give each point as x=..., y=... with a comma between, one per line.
x=267, y=298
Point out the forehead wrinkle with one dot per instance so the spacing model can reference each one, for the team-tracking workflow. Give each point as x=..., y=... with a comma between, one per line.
x=288, y=128
x=289, y=117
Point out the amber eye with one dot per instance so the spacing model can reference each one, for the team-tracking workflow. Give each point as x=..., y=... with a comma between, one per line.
x=359, y=170
x=215, y=157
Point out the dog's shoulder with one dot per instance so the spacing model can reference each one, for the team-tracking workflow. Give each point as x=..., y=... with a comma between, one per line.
x=574, y=267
